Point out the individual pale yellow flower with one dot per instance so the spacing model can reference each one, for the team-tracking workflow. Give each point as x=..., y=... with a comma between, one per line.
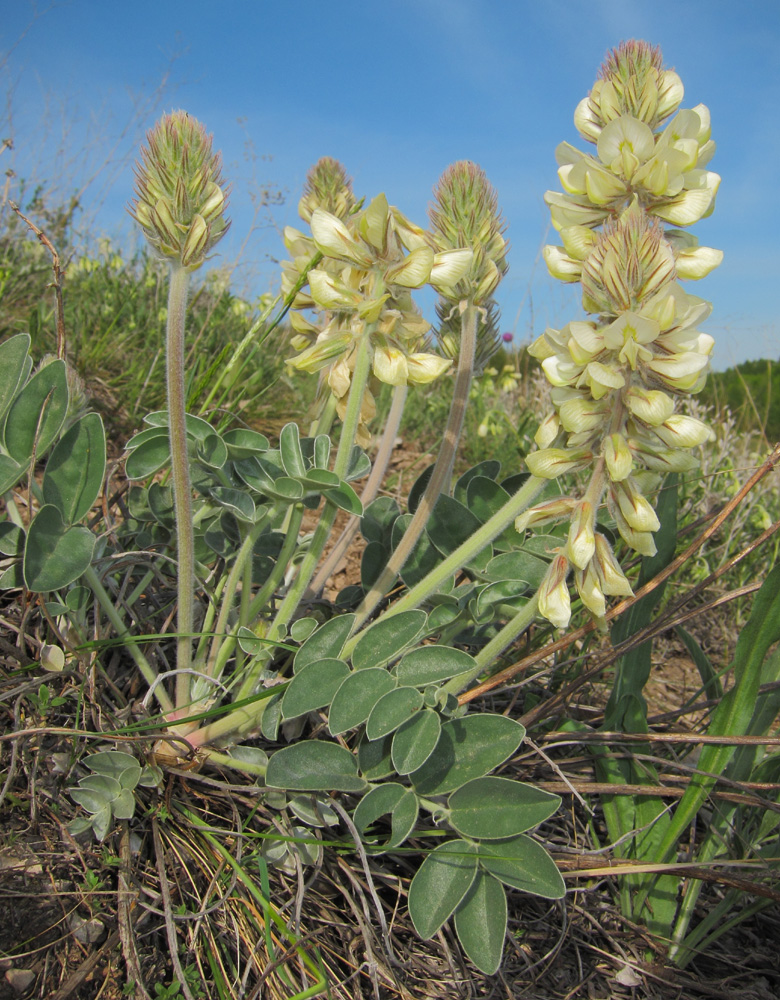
x=581, y=542
x=554, y=600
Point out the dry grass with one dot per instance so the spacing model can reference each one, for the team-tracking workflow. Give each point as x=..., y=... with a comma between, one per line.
x=164, y=885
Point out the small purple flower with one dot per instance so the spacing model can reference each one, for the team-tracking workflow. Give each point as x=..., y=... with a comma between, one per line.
x=507, y=337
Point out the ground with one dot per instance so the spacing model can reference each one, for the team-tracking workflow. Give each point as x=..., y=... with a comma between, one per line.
x=78, y=919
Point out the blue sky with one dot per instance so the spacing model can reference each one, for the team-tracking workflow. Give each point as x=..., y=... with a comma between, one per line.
x=397, y=90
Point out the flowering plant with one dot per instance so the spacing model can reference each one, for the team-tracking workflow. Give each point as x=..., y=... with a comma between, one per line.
x=357, y=710
x=618, y=378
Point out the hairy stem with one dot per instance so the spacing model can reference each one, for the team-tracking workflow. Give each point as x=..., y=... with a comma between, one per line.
x=501, y=641
x=370, y=490
x=327, y=517
x=180, y=478
x=483, y=536
x=442, y=470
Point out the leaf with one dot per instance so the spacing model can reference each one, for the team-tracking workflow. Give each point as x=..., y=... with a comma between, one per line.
x=123, y=806
x=386, y=639
x=117, y=764
x=290, y=451
x=161, y=505
x=423, y=558
x=484, y=498
x=148, y=434
x=12, y=539
x=55, y=555
x=242, y=442
x=486, y=471
x=10, y=473
x=313, y=810
x=378, y=519
x=101, y=822
x=254, y=475
x=75, y=469
x=240, y=504
x=499, y=594
x=320, y=479
x=345, y=498
x=521, y=566
x=468, y=748
x=12, y=578
x=14, y=357
x=302, y=628
x=480, y=922
x=321, y=451
x=415, y=740
x=450, y=525
x=285, y=488
x=523, y=864
x=358, y=694
x=37, y=413
x=272, y=716
x=374, y=760
x=249, y=755
x=393, y=799
x=493, y=807
x=440, y=884
x=359, y=464
x=542, y=545
x=327, y=641
x=314, y=766
x=417, y=492
x=89, y=798
x=150, y=456
x=373, y=561
x=197, y=428
x=313, y=687
x=212, y=451
x=105, y=785
x=431, y=664
x=392, y=710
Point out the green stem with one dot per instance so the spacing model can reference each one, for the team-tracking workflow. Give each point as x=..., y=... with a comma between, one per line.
x=180, y=478
x=501, y=641
x=221, y=628
x=340, y=466
x=148, y=672
x=322, y=532
x=263, y=595
x=327, y=415
x=442, y=470
x=208, y=622
x=481, y=538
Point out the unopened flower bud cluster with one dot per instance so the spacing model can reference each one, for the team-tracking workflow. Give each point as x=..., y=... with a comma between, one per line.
x=617, y=377
x=372, y=259
x=180, y=195
x=465, y=213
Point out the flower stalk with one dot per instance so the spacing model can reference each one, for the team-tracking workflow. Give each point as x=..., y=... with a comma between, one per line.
x=464, y=217
x=180, y=205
